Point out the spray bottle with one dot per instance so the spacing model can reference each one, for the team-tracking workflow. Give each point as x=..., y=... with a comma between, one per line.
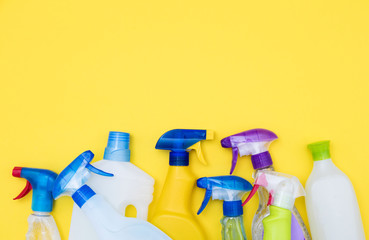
x=230, y=189
x=108, y=224
x=173, y=212
x=283, y=190
x=41, y=224
x=256, y=142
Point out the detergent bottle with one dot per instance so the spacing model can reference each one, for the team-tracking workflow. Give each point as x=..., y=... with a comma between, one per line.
x=230, y=189
x=256, y=142
x=283, y=190
x=129, y=186
x=41, y=224
x=107, y=223
x=173, y=212
x=331, y=203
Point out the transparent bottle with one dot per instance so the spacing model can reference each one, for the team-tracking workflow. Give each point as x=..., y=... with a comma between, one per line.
x=42, y=226
x=233, y=228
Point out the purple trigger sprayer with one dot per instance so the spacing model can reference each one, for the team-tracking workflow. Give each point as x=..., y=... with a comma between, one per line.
x=256, y=142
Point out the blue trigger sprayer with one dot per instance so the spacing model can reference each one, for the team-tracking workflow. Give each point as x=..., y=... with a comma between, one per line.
x=41, y=224
x=230, y=189
x=108, y=224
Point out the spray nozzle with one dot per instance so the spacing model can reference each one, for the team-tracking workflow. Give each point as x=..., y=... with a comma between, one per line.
x=180, y=141
x=42, y=182
x=254, y=142
x=283, y=188
x=75, y=175
x=230, y=189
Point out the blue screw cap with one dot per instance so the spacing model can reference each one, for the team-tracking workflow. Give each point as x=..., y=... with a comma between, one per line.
x=117, y=148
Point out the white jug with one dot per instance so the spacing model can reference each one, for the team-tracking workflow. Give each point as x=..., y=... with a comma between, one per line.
x=129, y=186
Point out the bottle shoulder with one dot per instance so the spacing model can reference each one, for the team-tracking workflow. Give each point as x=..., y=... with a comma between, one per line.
x=325, y=171
x=124, y=170
x=329, y=183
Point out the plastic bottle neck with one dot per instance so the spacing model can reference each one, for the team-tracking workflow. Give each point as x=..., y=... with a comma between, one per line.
x=324, y=161
x=123, y=156
x=323, y=165
x=41, y=214
x=269, y=168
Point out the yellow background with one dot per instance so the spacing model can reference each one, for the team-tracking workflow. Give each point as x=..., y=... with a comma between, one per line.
x=73, y=70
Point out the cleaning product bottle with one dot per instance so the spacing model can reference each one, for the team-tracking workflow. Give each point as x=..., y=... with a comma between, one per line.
x=256, y=142
x=107, y=223
x=230, y=189
x=283, y=190
x=41, y=224
x=173, y=212
x=331, y=203
x=129, y=186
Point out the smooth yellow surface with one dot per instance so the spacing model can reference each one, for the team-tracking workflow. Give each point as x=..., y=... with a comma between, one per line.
x=71, y=71
x=172, y=213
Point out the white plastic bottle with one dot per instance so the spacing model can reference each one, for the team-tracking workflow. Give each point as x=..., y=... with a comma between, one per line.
x=129, y=186
x=107, y=223
x=331, y=203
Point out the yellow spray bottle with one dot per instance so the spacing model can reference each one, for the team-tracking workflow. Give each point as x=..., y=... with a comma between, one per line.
x=173, y=213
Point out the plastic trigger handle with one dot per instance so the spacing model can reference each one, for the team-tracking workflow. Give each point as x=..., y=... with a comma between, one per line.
x=200, y=156
x=98, y=171
x=25, y=191
x=270, y=200
x=234, y=158
x=205, y=202
x=252, y=193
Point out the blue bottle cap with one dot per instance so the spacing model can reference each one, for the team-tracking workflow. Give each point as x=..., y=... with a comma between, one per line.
x=82, y=195
x=117, y=148
x=232, y=208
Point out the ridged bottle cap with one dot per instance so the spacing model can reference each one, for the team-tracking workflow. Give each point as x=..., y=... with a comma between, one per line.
x=117, y=148
x=320, y=150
